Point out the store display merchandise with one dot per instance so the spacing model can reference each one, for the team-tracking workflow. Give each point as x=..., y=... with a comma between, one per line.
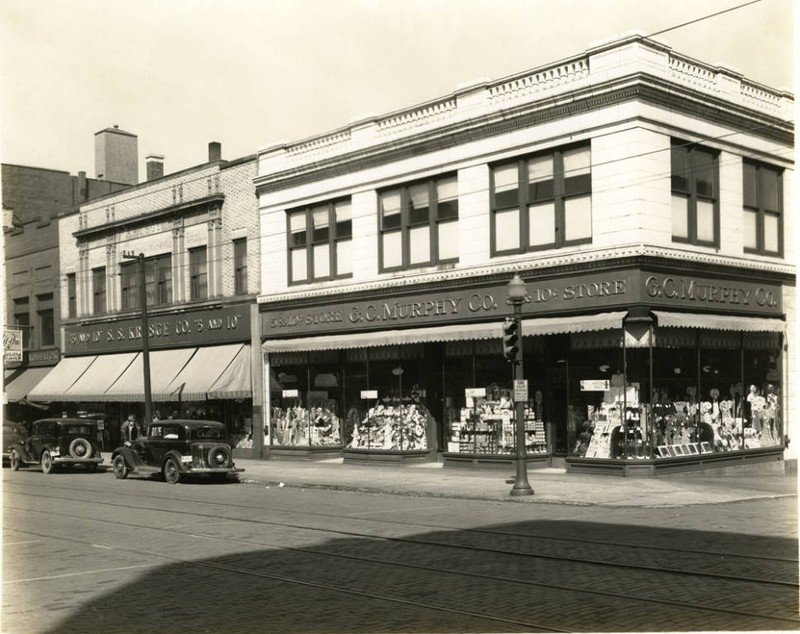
x=398, y=427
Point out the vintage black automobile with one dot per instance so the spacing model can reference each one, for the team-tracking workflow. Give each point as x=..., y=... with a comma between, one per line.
x=55, y=442
x=177, y=448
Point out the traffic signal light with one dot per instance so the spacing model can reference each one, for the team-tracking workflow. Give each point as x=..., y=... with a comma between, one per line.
x=511, y=339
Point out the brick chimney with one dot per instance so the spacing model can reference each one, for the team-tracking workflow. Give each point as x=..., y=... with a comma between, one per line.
x=155, y=166
x=214, y=151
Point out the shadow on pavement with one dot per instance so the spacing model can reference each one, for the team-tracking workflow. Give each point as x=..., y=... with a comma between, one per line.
x=291, y=591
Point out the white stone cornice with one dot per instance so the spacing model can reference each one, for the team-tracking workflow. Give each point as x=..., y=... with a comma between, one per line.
x=510, y=265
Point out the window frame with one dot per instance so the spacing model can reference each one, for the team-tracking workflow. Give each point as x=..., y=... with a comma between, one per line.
x=760, y=208
x=47, y=331
x=337, y=234
x=154, y=288
x=524, y=199
x=240, y=282
x=691, y=192
x=195, y=275
x=72, y=295
x=407, y=223
x=99, y=290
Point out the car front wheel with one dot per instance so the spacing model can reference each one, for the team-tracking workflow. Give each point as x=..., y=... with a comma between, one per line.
x=119, y=467
x=14, y=460
x=171, y=471
x=47, y=462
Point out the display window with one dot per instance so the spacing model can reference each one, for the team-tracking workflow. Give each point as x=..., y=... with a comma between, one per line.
x=692, y=392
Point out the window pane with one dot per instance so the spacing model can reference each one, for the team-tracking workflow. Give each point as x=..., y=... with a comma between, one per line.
x=344, y=223
x=577, y=162
x=771, y=233
x=47, y=327
x=769, y=189
x=703, y=164
x=578, y=218
x=420, y=245
x=705, y=221
x=392, y=250
x=447, y=189
x=749, y=229
x=506, y=225
x=321, y=223
x=344, y=257
x=448, y=241
x=322, y=261
x=299, y=265
x=506, y=185
x=297, y=229
x=542, y=224
x=418, y=204
x=540, y=178
x=680, y=170
x=680, y=217
x=390, y=210
x=749, y=185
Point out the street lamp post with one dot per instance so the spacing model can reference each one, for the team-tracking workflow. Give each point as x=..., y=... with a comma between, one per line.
x=518, y=295
x=148, y=399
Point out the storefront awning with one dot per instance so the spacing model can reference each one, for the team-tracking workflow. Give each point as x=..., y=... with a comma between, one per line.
x=164, y=367
x=93, y=383
x=196, y=378
x=235, y=381
x=578, y=323
x=719, y=322
x=464, y=332
x=22, y=384
x=55, y=385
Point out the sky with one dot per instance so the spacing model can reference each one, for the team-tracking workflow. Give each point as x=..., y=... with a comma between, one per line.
x=251, y=73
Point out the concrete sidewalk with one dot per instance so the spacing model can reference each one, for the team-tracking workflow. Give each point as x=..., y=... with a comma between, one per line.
x=553, y=486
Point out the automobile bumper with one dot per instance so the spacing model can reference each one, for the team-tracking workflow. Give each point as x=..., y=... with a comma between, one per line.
x=202, y=470
x=71, y=460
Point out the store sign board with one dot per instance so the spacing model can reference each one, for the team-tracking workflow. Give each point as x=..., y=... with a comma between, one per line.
x=475, y=392
x=600, y=291
x=369, y=394
x=520, y=390
x=12, y=346
x=290, y=393
x=595, y=385
x=228, y=324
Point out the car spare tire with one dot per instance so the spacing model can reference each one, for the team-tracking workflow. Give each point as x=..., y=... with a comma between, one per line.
x=80, y=448
x=219, y=457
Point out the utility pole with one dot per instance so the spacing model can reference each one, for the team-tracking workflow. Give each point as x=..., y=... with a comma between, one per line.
x=148, y=399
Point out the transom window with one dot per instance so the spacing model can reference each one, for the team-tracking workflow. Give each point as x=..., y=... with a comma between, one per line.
x=542, y=201
x=158, y=282
x=320, y=242
x=695, y=208
x=762, y=225
x=419, y=224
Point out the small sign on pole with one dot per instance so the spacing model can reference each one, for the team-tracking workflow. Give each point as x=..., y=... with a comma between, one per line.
x=12, y=346
x=520, y=390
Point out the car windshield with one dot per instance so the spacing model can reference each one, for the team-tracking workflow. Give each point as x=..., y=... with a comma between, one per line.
x=207, y=432
x=77, y=430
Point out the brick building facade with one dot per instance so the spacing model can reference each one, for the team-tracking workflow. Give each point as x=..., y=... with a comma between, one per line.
x=198, y=233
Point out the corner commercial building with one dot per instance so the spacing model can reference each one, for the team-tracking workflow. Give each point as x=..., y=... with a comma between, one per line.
x=643, y=196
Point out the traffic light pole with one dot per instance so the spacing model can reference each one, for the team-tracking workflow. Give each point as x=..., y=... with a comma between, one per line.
x=517, y=295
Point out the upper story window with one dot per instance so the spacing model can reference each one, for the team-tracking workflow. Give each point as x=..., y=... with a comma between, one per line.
x=157, y=278
x=762, y=225
x=695, y=197
x=47, y=327
x=72, y=295
x=22, y=319
x=198, y=273
x=240, y=266
x=99, y=290
x=419, y=224
x=542, y=201
x=320, y=242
